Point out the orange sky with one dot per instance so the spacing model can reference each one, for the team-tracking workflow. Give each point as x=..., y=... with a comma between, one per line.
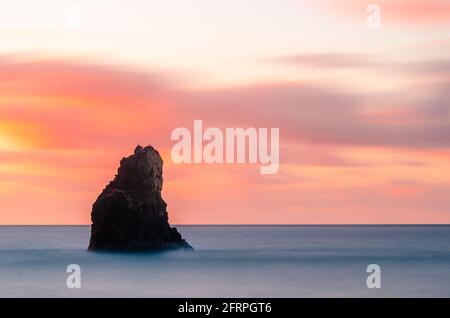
x=365, y=131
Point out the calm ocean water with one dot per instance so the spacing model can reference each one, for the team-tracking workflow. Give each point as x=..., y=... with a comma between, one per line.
x=233, y=261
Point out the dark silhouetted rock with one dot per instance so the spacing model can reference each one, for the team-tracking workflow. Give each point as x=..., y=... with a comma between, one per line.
x=130, y=214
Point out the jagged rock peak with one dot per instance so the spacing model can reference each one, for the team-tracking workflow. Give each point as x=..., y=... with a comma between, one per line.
x=130, y=213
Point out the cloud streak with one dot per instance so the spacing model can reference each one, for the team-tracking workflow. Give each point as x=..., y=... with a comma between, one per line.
x=70, y=123
x=400, y=12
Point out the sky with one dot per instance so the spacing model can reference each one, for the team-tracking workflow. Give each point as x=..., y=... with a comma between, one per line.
x=363, y=113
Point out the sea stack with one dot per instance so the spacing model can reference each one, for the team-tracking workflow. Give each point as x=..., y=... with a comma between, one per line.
x=130, y=214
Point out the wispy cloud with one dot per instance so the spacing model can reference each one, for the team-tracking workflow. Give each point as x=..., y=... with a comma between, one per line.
x=408, y=12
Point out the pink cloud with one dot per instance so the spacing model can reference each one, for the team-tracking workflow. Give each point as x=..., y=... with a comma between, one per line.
x=408, y=12
x=81, y=119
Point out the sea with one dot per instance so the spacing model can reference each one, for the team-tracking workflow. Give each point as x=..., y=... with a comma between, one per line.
x=233, y=261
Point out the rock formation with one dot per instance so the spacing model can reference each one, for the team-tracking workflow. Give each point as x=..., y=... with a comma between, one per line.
x=130, y=214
